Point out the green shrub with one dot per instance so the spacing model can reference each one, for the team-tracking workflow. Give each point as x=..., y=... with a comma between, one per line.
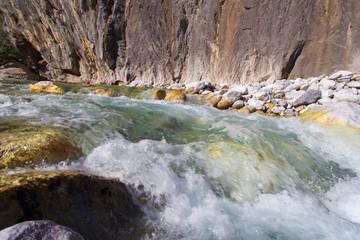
x=8, y=51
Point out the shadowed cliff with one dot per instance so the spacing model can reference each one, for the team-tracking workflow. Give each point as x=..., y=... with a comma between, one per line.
x=235, y=41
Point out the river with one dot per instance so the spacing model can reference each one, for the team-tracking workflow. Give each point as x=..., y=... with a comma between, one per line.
x=202, y=173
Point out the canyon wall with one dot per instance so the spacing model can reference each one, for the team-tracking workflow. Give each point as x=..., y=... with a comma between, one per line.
x=167, y=41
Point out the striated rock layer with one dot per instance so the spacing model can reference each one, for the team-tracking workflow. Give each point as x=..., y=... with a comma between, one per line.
x=158, y=41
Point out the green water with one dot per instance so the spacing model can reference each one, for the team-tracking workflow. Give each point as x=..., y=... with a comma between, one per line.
x=207, y=174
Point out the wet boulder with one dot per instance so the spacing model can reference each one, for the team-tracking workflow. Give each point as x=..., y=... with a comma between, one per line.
x=46, y=86
x=175, y=96
x=42, y=229
x=159, y=94
x=93, y=206
x=27, y=145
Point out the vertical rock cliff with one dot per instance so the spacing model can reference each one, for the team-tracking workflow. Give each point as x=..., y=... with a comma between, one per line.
x=235, y=41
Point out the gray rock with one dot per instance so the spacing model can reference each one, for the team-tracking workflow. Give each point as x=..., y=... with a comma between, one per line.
x=314, y=86
x=42, y=229
x=235, y=93
x=339, y=74
x=327, y=93
x=278, y=110
x=293, y=95
x=282, y=103
x=346, y=95
x=270, y=80
x=330, y=84
x=238, y=104
x=290, y=112
x=257, y=104
x=354, y=84
x=195, y=86
x=305, y=87
x=310, y=96
x=141, y=84
x=340, y=86
x=324, y=101
x=263, y=96
x=273, y=87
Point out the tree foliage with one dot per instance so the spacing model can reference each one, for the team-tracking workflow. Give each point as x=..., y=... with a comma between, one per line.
x=8, y=51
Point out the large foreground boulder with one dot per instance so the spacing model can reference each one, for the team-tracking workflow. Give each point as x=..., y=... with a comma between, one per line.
x=27, y=145
x=39, y=230
x=95, y=207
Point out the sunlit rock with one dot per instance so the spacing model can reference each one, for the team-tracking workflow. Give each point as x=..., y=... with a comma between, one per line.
x=339, y=74
x=175, y=95
x=27, y=145
x=45, y=86
x=140, y=84
x=354, y=84
x=224, y=103
x=343, y=113
x=238, y=104
x=110, y=93
x=195, y=87
x=214, y=100
x=95, y=207
x=40, y=229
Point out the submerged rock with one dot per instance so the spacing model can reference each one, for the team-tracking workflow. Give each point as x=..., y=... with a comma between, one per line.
x=30, y=145
x=95, y=207
x=44, y=229
x=45, y=86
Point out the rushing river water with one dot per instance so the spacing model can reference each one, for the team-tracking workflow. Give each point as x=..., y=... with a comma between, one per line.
x=201, y=173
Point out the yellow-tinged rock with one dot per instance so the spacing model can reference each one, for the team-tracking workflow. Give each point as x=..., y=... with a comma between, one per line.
x=244, y=110
x=270, y=105
x=224, y=103
x=110, y=94
x=95, y=207
x=46, y=86
x=175, y=96
x=214, y=100
x=24, y=145
x=260, y=112
x=299, y=108
x=342, y=113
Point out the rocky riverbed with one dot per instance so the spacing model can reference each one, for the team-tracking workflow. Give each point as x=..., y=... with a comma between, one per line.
x=141, y=167
x=333, y=98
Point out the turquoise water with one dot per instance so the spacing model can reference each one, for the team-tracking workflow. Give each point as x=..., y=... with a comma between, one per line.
x=201, y=173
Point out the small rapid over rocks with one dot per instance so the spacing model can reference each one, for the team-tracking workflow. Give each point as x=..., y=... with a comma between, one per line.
x=200, y=173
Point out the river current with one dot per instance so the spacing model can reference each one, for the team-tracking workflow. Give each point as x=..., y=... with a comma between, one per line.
x=202, y=173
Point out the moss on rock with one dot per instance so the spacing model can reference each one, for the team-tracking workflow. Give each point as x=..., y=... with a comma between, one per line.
x=24, y=145
x=46, y=86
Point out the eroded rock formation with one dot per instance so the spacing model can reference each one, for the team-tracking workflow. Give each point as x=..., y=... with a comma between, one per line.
x=234, y=41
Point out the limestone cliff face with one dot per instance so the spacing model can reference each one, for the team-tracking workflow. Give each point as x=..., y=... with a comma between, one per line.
x=235, y=41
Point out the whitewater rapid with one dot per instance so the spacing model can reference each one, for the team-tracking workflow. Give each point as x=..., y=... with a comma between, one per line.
x=201, y=173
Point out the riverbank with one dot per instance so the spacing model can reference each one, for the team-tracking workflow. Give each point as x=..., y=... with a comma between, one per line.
x=333, y=98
